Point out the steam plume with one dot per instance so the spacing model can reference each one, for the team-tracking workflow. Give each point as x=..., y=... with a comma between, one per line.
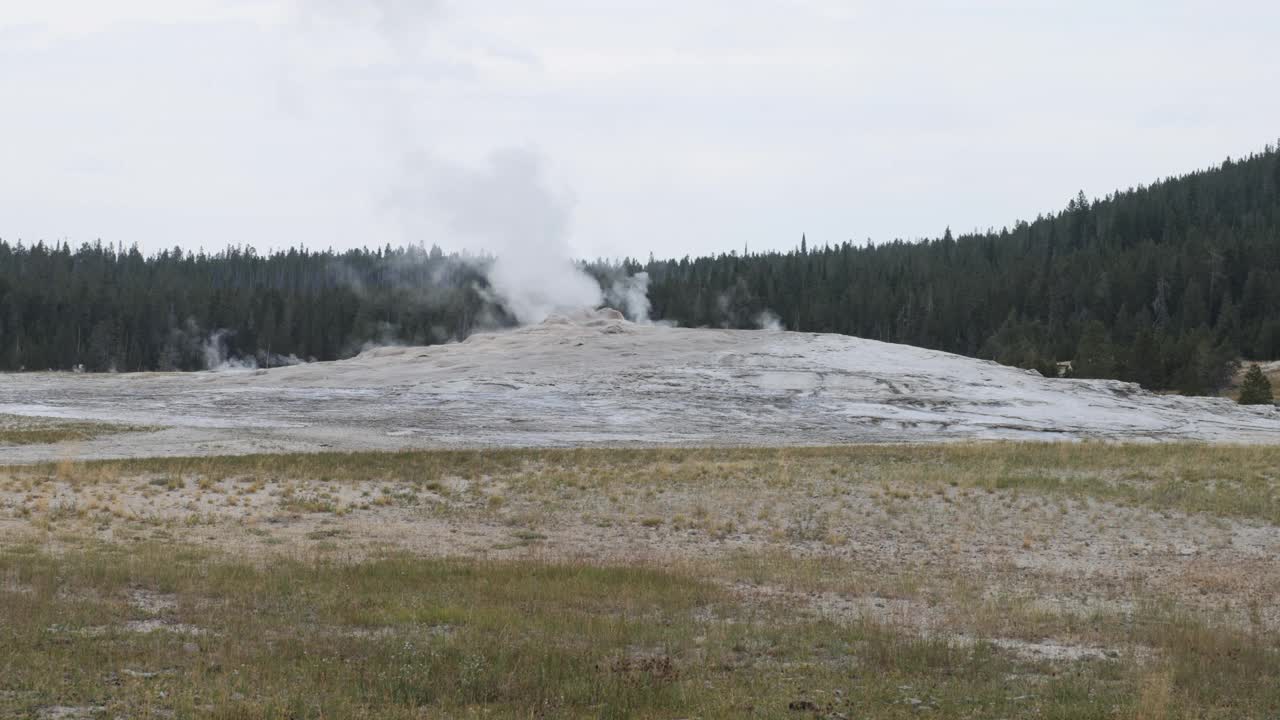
x=506, y=206
x=631, y=296
x=509, y=208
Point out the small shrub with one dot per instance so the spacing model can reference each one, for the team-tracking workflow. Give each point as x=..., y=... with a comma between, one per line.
x=808, y=525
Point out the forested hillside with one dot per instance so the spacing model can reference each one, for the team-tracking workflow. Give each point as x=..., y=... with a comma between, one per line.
x=1165, y=285
x=108, y=309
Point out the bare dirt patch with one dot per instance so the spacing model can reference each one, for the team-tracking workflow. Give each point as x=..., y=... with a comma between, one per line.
x=71, y=712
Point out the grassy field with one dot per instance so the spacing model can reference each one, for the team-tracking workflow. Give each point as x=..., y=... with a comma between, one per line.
x=965, y=581
x=155, y=632
x=42, y=431
x=1227, y=481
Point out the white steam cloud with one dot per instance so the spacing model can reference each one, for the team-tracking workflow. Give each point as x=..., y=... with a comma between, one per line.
x=218, y=358
x=631, y=296
x=769, y=320
x=510, y=208
x=506, y=205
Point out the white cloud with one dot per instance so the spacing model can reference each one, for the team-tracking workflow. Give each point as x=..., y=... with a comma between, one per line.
x=77, y=17
x=680, y=127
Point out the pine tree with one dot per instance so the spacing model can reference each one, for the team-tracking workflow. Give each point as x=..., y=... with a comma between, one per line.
x=1144, y=363
x=1095, y=356
x=1256, y=388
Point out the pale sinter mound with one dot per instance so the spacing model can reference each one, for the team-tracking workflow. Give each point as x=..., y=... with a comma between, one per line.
x=595, y=378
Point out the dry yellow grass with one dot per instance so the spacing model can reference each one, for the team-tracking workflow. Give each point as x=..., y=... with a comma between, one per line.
x=992, y=580
x=15, y=430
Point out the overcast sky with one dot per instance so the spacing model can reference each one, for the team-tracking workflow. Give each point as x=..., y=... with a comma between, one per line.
x=615, y=127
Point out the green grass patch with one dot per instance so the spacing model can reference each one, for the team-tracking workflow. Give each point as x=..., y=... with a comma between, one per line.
x=405, y=637
x=1228, y=481
x=21, y=430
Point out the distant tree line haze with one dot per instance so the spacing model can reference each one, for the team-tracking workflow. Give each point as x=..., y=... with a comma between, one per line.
x=1166, y=285
x=106, y=309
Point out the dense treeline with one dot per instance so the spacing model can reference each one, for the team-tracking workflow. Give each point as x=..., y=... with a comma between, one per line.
x=104, y=308
x=1165, y=285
